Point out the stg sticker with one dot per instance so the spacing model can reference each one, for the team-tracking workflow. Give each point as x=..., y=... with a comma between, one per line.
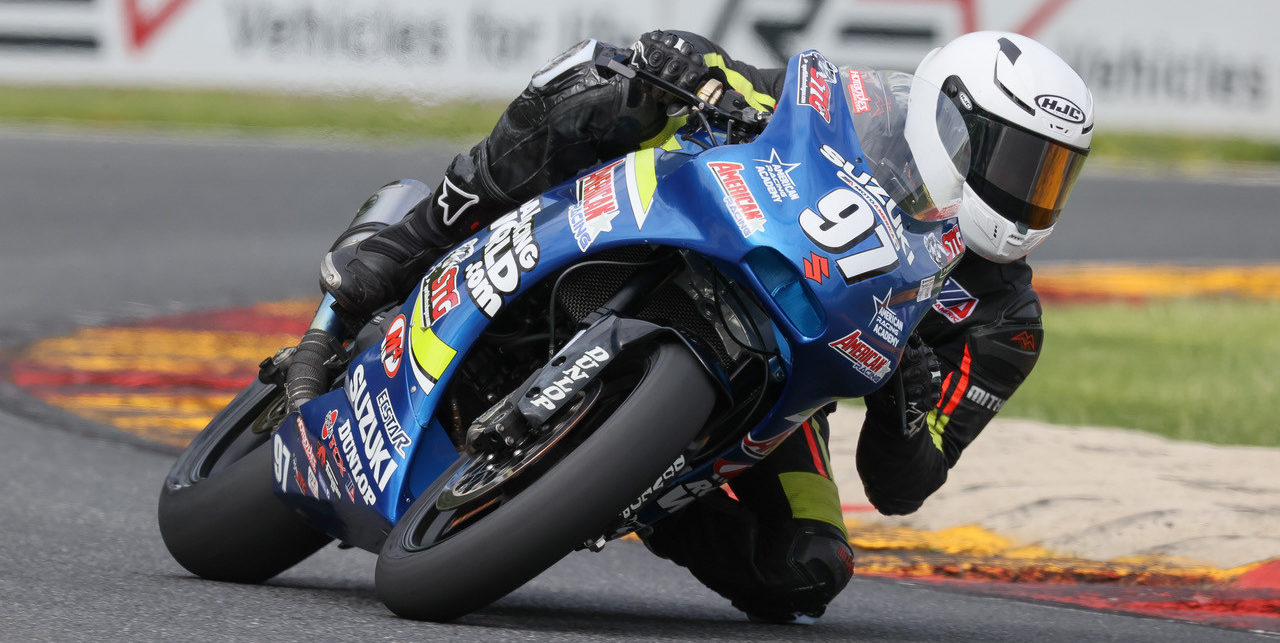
x=738, y=197
x=816, y=77
x=865, y=359
x=596, y=207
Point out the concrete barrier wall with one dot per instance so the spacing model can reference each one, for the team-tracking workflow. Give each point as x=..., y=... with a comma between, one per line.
x=1153, y=65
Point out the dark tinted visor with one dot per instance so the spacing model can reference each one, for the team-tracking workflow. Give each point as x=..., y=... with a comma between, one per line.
x=1025, y=177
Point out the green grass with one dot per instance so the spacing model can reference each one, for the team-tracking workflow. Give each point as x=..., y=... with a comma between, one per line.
x=1203, y=370
x=357, y=116
x=246, y=113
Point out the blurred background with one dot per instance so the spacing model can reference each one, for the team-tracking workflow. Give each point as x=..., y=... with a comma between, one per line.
x=177, y=154
x=172, y=171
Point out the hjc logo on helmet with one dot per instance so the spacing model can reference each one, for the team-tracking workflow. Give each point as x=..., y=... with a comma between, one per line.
x=1060, y=107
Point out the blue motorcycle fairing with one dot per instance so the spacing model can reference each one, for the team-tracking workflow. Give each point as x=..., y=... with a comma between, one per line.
x=795, y=216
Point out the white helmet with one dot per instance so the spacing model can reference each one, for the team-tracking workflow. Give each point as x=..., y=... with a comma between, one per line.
x=1030, y=121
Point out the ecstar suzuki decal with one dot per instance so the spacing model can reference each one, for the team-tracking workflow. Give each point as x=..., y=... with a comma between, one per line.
x=510, y=252
x=875, y=196
x=395, y=434
x=738, y=198
x=865, y=359
x=596, y=207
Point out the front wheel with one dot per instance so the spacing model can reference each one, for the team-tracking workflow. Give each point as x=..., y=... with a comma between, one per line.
x=219, y=516
x=471, y=538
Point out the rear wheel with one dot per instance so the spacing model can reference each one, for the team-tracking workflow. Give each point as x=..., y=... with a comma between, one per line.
x=218, y=513
x=488, y=526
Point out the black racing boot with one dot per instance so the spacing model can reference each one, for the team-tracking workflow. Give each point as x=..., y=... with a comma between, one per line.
x=365, y=275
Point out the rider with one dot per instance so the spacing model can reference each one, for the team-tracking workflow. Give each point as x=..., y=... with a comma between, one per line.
x=778, y=549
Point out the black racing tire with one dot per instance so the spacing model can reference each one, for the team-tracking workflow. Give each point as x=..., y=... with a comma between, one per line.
x=574, y=500
x=219, y=516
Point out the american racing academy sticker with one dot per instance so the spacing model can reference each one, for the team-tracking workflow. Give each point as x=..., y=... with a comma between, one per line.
x=440, y=286
x=817, y=75
x=738, y=198
x=510, y=251
x=865, y=359
x=776, y=176
x=886, y=324
x=596, y=207
x=954, y=302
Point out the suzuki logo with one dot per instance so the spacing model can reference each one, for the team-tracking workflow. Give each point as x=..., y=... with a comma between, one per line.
x=1060, y=107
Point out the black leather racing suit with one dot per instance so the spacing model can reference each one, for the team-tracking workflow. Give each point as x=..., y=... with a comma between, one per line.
x=780, y=548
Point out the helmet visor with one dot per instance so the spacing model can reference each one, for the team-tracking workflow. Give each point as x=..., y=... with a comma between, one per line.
x=1025, y=177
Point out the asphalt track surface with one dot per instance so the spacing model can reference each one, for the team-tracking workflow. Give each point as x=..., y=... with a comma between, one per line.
x=101, y=229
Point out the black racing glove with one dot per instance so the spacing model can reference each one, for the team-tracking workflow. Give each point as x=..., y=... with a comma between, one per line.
x=671, y=58
x=920, y=375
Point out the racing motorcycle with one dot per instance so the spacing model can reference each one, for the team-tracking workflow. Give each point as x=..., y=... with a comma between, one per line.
x=597, y=358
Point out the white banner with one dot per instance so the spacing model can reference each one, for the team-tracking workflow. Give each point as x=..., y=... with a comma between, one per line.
x=1153, y=65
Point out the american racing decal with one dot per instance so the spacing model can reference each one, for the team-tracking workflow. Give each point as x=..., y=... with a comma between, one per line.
x=877, y=197
x=776, y=176
x=393, y=346
x=738, y=197
x=815, y=267
x=550, y=396
x=857, y=93
x=661, y=482
x=395, y=434
x=596, y=207
x=510, y=251
x=381, y=466
x=865, y=359
x=954, y=302
x=886, y=323
x=816, y=77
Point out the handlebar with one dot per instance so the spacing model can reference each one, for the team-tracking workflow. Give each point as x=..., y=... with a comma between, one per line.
x=708, y=104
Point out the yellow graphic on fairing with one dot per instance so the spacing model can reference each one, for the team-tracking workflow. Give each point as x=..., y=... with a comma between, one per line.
x=431, y=356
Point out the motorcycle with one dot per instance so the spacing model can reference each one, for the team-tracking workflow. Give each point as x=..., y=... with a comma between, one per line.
x=597, y=358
